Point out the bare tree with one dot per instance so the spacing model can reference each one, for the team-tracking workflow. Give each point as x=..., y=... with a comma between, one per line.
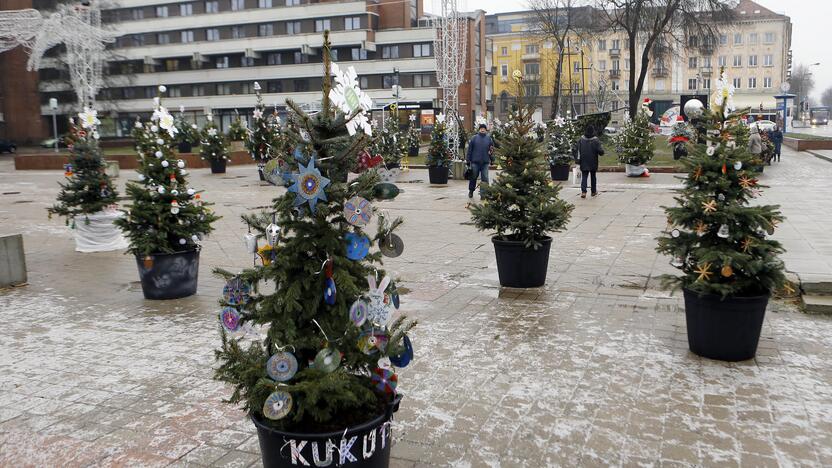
x=602, y=94
x=826, y=97
x=802, y=83
x=555, y=21
x=647, y=23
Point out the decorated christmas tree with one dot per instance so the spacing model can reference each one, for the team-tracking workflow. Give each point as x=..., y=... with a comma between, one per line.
x=391, y=143
x=213, y=145
x=237, y=131
x=522, y=204
x=166, y=214
x=715, y=236
x=187, y=133
x=439, y=155
x=635, y=143
x=88, y=189
x=262, y=142
x=560, y=142
x=682, y=134
x=414, y=134
x=330, y=343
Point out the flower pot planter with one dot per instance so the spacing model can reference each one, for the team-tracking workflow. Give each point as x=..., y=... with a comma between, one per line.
x=392, y=166
x=97, y=233
x=169, y=276
x=560, y=171
x=634, y=171
x=438, y=175
x=413, y=151
x=724, y=329
x=519, y=266
x=111, y=168
x=218, y=166
x=364, y=446
x=184, y=147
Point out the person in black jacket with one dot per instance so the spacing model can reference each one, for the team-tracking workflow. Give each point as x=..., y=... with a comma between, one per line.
x=589, y=149
x=480, y=150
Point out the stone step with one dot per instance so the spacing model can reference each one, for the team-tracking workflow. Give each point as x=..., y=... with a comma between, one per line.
x=816, y=284
x=817, y=304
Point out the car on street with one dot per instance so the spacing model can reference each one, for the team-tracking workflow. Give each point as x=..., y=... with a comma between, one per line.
x=50, y=143
x=7, y=146
x=764, y=125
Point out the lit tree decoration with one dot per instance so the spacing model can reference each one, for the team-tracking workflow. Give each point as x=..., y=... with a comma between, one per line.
x=76, y=26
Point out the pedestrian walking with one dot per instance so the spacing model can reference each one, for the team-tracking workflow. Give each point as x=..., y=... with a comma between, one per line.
x=755, y=142
x=589, y=149
x=479, y=157
x=777, y=139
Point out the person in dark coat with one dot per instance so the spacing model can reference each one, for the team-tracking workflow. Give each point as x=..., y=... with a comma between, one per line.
x=589, y=149
x=777, y=139
x=479, y=156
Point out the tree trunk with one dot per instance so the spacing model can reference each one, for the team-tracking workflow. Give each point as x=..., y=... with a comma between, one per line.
x=633, y=95
x=556, y=90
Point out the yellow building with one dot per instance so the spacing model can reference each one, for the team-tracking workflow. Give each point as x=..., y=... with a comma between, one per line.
x=515, y=48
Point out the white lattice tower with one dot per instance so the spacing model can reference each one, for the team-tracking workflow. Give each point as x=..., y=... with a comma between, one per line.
x=449, y=52
x=85, y=57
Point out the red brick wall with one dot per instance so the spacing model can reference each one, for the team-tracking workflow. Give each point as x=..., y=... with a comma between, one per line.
x=19, y=97
x=125, y=161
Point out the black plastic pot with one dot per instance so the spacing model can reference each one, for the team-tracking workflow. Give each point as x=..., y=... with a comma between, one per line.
x=724, y=329
x=364, y=446
x=218, y=166
x=413, y=151
x=438, y=174
x=560, y=171
x=519, y=266
x=169, y=276
x=184, y=147
x=392, y=166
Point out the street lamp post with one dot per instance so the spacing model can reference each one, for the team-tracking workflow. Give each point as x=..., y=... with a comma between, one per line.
x=53, y=104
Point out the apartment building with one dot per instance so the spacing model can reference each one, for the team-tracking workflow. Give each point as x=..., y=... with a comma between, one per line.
x=209, y=53
x=755, y=52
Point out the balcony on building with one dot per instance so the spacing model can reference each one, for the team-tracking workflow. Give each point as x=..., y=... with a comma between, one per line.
x=661, y=72
x=615, y=52
x=534, y=56
x=706, y=71
x=615, y=73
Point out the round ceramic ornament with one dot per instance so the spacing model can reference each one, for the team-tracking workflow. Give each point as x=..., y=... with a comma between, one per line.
x=277, y=405
x=391, y=246
x=230, y=319
x=404, y=358
x=738, y=165
x=327, y=360
x=236, y=291
x=358, y=211
x=358, y=246
x=358, y=312
x=384, y=380
x=282, y=366
x=675, y=233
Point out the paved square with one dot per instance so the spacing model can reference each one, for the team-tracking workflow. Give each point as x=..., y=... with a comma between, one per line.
x=592, y=370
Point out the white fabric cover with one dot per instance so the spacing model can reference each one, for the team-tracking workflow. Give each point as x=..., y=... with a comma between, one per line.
x=634, y=171
x=100, y=235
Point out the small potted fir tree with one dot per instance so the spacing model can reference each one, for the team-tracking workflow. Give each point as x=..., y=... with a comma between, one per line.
x=187, y=133
x=438, y=159
x=237, y=132
x=320, y=386
x=167, y=218
x=635, y=144
x=414, y=136
x=560, y=147
x=522, y=204
x=213, y=146
x=262, y=143
x=721, y=242
x=89, y=193
x=392, y=143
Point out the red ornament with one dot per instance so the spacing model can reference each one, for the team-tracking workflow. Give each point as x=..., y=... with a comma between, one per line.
x=328, y=267
x=724, y=168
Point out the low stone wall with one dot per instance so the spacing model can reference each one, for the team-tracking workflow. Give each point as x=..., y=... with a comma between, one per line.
x=805, y=145
x=52, y=161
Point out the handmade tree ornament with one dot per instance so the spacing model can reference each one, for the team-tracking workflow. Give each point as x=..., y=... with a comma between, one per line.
x=230, y=318
x=403, y=359
x=236, y=291
x=277, y=405
x=358, y=312
x=358, y=211
x=391, y=245
x=358, y=245
x=282, y=366
x=309, y=185
x=327, y=360
x=384, y=380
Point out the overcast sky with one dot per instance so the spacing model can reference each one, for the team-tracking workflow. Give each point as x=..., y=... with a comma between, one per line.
x=810, y=29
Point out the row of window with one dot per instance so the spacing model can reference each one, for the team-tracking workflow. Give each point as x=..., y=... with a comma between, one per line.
x=238, y=32
x=722, y=61
x=418, y=80
x=694, y=83
x=211, y=6
x=615, y=44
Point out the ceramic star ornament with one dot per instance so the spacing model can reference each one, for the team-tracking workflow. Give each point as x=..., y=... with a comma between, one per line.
x=309, y=185
x=258, y=114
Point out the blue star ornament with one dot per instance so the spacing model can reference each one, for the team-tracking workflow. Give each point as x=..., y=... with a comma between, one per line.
x=309, y=185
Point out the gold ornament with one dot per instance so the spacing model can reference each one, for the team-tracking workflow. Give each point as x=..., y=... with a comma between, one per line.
x=697, y=173
x=727, y=271
x=704, y=272
x=265, y=254
x=701, y=228
x=747, y=182
x=709, y=207
x=746, y=244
